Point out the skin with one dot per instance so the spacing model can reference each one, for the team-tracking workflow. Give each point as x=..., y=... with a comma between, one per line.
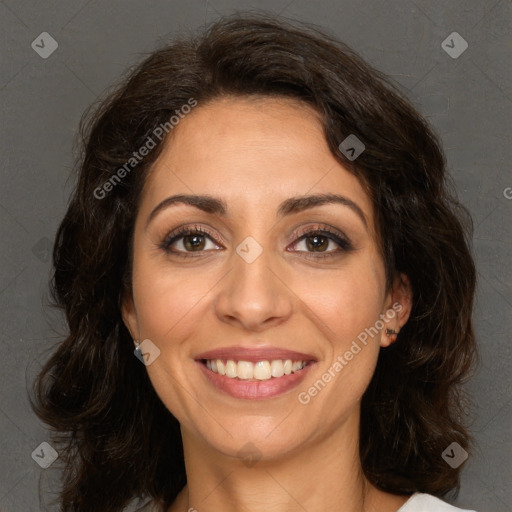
x=254, y=153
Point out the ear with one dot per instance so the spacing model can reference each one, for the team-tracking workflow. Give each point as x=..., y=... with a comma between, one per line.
x=397, y=308
x=129, y=314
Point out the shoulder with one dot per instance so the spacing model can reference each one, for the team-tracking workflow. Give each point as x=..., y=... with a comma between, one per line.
x=421, y=502
x=150, y=506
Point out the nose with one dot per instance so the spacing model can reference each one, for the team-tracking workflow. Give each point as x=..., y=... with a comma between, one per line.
x=253, y=295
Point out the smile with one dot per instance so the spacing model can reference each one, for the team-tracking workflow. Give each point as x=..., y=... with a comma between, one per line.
x=254, y=373
x=260, y=370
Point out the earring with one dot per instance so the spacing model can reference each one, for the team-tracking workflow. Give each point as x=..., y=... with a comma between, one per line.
x=391, y=334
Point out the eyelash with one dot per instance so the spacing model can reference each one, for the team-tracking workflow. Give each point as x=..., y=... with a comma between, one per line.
x=324, y=231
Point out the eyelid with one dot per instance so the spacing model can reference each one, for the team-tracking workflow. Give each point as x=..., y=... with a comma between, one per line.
x=335, y=234
x=187, y=230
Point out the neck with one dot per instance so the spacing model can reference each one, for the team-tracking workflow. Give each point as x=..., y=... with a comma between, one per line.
x=318, y=476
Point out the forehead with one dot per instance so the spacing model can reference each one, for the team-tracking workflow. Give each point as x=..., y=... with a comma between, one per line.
x=251, y=151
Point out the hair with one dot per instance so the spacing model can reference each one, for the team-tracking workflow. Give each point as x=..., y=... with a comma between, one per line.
x=117, y=440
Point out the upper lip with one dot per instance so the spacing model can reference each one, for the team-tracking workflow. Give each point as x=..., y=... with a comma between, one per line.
x=254, y=354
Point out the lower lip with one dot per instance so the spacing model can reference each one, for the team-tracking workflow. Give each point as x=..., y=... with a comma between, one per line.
x=255, y=389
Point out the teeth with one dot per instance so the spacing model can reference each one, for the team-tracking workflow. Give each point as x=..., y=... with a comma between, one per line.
x=231, y=369
x=296, y=366
x=277, y=368
x=262, y=370
x=245, y=370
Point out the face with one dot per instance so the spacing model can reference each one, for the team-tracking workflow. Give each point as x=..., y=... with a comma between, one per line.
x=255, y=248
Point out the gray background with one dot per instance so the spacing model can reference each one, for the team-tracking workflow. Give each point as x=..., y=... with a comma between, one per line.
x=468, y=100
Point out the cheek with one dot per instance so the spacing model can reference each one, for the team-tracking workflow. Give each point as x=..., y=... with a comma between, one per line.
x=168, y=300
x=346, y=302
x=344, y=305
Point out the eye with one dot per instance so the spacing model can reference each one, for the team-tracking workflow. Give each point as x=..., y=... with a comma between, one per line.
x=322, y=242
x=189, y=240
x=196, y=240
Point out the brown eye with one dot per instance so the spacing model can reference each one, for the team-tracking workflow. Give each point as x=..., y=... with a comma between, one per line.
x=188, y=240
x=194, y=242
x=322, y=242
x=317, y=243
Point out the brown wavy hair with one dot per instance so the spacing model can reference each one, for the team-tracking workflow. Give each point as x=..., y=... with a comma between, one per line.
x=116, y=438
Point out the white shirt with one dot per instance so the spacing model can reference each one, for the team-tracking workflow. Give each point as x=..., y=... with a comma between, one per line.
x=420, y=502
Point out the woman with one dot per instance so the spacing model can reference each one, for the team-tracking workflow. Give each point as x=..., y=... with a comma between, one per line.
x=265, y=222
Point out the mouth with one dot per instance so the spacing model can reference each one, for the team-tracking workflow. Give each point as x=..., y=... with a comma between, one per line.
x=254, y=374
x=258, y=371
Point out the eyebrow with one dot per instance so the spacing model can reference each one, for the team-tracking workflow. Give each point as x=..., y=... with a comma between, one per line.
x=292, y=205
